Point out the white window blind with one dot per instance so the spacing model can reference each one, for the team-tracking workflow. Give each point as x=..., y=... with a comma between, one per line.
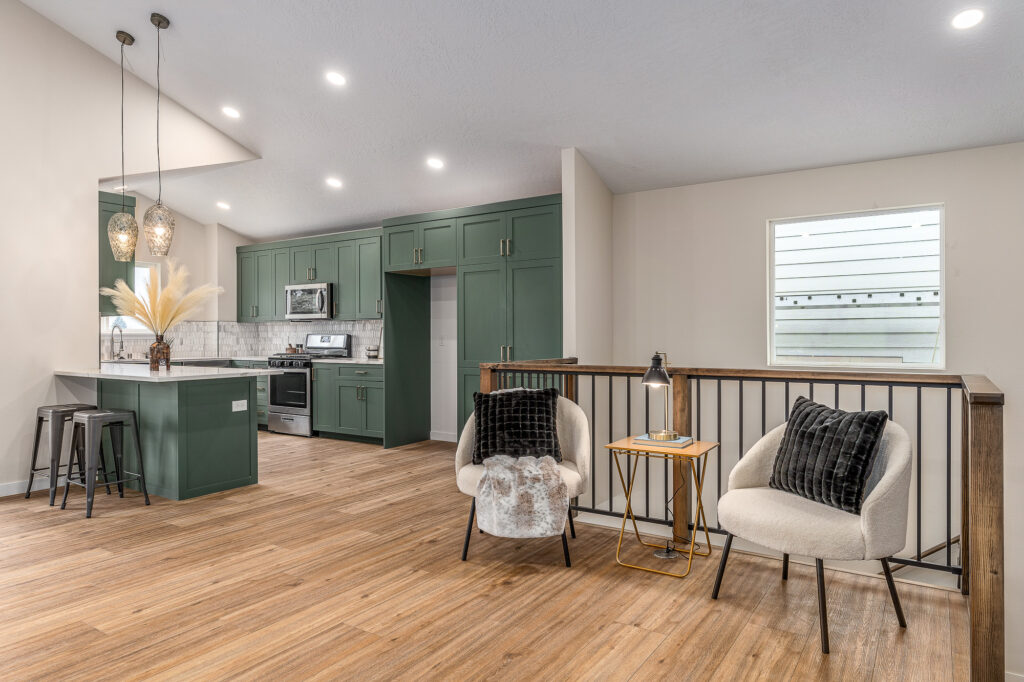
x=860, y=289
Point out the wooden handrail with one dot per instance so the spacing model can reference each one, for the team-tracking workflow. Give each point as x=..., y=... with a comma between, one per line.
x=981, y=530
x=775, y=374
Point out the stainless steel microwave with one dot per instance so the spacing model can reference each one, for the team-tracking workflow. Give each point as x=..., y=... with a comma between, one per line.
x=307, y=302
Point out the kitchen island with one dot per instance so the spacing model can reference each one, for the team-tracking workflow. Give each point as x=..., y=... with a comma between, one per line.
x=197, y=425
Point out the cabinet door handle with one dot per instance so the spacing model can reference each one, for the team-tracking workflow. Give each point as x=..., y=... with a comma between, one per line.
x=501, y=247
x=508, y=246
x=379, y=302
x=508, y=353
x=335, y=308
x=501, y=354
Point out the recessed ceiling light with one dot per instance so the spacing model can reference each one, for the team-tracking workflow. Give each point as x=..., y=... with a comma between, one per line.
x=120, y=188
x=335, y=78
x=968, y=18
x=334, y=182
x=435, y=163
x=231, y=112
x=223, y=205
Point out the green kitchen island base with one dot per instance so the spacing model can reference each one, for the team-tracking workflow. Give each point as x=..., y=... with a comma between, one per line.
x=197, y=437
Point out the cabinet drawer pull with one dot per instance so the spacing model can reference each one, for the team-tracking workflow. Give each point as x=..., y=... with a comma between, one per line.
x=361, y=371
x=261, y=389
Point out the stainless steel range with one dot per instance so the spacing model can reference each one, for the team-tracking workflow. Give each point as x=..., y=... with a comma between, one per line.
x=290, y=408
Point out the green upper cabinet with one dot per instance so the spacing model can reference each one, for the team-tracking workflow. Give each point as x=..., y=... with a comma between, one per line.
x=266, y=281
x=481, y=239
x=316, y=263
x=482, y=313
x=282, y=278
x=110, y=269
x=357, y=293
x=534, y=312
x=534, y=233
x=370, y=301
x=246, y=287
x=259, y=298
x=400, y=244
x=419, y=246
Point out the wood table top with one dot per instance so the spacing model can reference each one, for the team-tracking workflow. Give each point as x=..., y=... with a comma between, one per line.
x=695, y=449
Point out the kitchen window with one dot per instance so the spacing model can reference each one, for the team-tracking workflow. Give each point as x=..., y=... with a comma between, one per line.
x=130, y=325
x=858, y=289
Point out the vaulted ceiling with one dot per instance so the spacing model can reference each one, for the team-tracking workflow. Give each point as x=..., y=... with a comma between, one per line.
x=654, y=93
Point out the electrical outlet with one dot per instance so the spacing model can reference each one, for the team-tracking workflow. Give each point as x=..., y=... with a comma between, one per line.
x=239, y=405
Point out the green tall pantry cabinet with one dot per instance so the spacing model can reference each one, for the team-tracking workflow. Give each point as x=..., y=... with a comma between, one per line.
x=110, y=269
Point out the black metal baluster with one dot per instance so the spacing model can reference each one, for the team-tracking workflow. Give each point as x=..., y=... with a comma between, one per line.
x=836, y=405
x=890, y=402
x=718, y=435
x=949, y=476
x=863, y=396
x=741, y=419
x=764, y=402
x=611, y=491
x=593, y=441
x=810, y=390
x=918, y=473
x=787, y=400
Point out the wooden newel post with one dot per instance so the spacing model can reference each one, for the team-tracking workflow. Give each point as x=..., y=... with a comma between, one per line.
x=681, y=479
x=984, y=526
x=488, y=379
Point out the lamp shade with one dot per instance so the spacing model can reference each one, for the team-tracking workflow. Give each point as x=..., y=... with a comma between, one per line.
x=656, y=374
x=123, y=233
x=159, y=226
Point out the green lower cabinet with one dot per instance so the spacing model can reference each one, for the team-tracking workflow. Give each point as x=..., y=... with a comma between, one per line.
x=262, y=400
x=469, y=383
x=344, y=402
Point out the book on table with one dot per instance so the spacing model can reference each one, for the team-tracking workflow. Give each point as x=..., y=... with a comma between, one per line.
x=680, y=442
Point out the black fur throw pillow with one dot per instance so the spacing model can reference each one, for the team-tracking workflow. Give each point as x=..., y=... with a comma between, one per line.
x=826, y=455
x=517, y=423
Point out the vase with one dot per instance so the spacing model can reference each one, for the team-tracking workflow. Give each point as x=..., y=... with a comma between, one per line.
x=159, y=354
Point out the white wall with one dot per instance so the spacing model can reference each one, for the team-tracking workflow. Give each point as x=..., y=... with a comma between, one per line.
x=690, y=278
x=223, y=269
x=443, y=358
x=586, y=261
x=60, y=125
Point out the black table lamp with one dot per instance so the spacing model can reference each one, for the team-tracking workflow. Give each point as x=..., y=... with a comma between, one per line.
x=657, y=376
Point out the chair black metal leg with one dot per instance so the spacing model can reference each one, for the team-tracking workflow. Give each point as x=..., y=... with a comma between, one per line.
x=892, y=593
x=822, y=611
x=469, y=529
x=93, y=451
x=565, y=550
x=721, y=566
x=56, y=430
x=138, y=453
x=71, y=467
x=785, y=567
x=117, y=446
x=572, y=526
x=35, y=456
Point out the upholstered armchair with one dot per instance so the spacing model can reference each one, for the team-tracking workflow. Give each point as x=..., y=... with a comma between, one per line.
x=792, y=524
x=573, y=440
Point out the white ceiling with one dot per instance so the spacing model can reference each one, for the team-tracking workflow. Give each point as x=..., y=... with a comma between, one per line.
x=655, y=94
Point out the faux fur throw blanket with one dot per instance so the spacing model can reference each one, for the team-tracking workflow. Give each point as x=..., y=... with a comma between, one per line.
x=521, y=497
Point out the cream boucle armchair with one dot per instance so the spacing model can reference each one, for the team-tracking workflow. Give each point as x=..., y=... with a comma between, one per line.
x=792, y=524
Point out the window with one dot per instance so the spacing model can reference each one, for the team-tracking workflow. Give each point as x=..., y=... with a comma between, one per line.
x=129, y=324
x=857, y=289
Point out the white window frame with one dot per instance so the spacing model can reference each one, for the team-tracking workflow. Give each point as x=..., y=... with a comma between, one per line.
x=107, y=321
x=940, y=363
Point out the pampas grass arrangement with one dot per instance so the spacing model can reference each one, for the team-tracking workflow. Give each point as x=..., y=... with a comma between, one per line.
x=166, y=306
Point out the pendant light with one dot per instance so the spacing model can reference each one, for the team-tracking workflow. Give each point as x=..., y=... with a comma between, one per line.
x=158, y=221
x=122, y=230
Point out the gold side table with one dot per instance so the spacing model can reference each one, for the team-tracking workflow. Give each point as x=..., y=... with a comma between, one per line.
x=692, y=453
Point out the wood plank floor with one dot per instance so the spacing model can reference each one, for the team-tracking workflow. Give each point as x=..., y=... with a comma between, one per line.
x=344, y=564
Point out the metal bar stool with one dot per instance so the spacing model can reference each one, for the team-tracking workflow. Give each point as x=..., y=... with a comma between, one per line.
x=55, y=416
x=89, y=425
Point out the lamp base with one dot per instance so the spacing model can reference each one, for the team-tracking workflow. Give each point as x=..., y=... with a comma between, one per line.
x=667, y=553
x=663, y=434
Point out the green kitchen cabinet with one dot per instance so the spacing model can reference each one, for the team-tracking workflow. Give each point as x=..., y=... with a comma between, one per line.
x=357, y=294
x=534, y=315
x=247, y=287
x=420, y=246
x=481, y=238
x=111, y=270
x=282, y=278
x=482, y=313
x=469, y=383
x=534, y=233
x=348, y=399
x=260, y=288
x=316, y=263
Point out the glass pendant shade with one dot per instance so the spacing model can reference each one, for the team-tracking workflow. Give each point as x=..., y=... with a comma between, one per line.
x=123, y=233
x=159, y=226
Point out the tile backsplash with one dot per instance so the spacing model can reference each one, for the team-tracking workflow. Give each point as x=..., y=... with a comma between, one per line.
x=240, y=339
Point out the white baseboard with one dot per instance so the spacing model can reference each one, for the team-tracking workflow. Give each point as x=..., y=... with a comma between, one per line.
x=1014, y=677
x=444, y=435
x=18, y=487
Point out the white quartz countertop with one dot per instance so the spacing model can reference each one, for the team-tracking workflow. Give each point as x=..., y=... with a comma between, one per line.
x=133, y=372
x=349, y=361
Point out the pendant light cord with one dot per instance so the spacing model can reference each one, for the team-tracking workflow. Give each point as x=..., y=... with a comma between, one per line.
x=159, y=178
x=122, y=127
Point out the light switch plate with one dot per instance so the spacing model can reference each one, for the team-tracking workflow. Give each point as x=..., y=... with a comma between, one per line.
x=239, y=405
